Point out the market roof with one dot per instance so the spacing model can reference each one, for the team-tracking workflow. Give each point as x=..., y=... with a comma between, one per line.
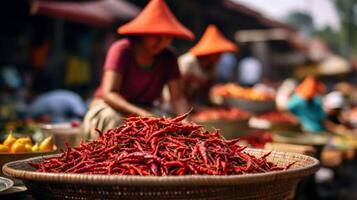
x=261, y=19
x=101, y=13
x=262, y=35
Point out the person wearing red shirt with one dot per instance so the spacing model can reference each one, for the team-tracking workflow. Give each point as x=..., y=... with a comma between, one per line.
x=137, y=68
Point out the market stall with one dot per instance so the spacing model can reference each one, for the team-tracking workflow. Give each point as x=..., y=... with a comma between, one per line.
x=149, y=165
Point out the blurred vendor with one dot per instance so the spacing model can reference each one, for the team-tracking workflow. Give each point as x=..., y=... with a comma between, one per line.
x=334, y=103
x=136, y=69
x=198, y=66
x=59, y=105
x=250, y=71
x=284, y=93
x=306, y=105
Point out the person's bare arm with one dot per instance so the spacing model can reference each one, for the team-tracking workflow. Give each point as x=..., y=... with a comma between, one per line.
x=111, y=84
x=178, y=100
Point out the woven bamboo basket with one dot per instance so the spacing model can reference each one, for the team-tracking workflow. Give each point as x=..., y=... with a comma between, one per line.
x=251, y=105
x=229, y=129
x=285, y=127
x=63, y=133
x=302, y=149
x=264, y=124
x=271, y=185
x=300, y=138
x=9, y=157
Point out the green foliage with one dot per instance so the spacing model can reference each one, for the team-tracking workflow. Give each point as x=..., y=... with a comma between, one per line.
x=348, y=16
x=300, y=20
x=331, y=37
x=305, y=23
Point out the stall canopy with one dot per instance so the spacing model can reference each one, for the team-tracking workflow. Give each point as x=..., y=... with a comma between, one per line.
x=100, y=13
x=262, y=35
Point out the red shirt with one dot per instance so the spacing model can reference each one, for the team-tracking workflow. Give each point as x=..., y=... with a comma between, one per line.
x=140, y=86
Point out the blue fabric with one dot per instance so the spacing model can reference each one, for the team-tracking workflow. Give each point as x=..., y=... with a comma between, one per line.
x=310, y=113
x=58, y=104
x=226, y=67
x=11, y=77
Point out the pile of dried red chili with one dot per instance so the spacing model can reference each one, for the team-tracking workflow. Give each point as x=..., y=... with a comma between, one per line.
x=157, y=147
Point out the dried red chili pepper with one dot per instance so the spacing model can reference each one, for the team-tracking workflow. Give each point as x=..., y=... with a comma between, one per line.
x=159, y=147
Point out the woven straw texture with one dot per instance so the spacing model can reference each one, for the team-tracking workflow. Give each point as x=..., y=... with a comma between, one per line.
x=302, y=149
x=8, y=157
x=272, y=185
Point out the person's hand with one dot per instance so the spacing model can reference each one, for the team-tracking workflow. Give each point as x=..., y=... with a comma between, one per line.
x=144, y=113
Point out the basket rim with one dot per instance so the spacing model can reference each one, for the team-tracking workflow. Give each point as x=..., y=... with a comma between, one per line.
x=187, y=180
x=7, y=182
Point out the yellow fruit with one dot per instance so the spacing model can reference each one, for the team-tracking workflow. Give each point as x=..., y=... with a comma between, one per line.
x=28, y=147
x=4, y=149
x=9, y=140
x=26, y=140
x=46, y=144
x=18, y=147
x=35, y=148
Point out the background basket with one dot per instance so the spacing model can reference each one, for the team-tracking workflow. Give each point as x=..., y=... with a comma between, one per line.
x=272, y=185
x=301, y=138
x=264, y=124
x=302, y=149
x=285, y=127
x=250, y=105
x=228, y=128
x=62, y=133
x=9, y=157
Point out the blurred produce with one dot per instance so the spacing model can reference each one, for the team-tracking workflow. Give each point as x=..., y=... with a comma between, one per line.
x=47, y=144
x=26, y=126
x=10, y=139
x=231, y=90
x=343, y=142
x=63, y=133
x=257, y=139
x=4, y=148
x=220, y=114
x=24, y=145
x=352, y=117
x=8, y=111
x=278, y=117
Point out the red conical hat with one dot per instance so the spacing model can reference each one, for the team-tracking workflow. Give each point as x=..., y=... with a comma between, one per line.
x=212, y=42
x=156, y=18
x=309, y=88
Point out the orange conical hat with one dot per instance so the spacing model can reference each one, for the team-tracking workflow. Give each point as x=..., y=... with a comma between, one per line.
x=212, y=42
x=156, y=18
x=309, y=88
